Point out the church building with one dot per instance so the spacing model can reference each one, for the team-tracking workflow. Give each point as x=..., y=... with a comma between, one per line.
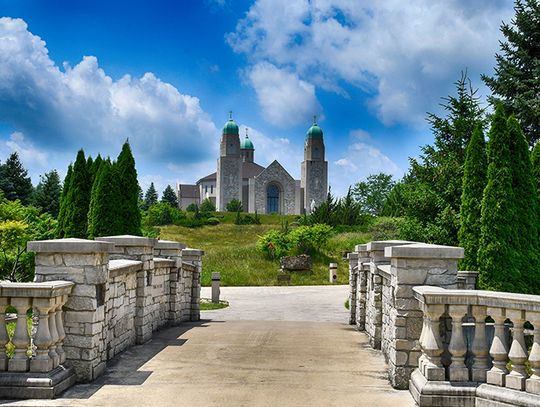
x=262, y=190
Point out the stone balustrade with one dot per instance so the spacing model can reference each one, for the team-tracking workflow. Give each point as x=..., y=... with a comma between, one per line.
x=494, y=353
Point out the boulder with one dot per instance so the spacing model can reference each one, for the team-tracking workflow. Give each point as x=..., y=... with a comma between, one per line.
x=302, y=262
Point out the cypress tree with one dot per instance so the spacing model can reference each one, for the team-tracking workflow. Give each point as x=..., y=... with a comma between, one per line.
x=128, y=192
x=94, y=167
x=498, y=268
x=169, y=196
x=64, y=209
x=535, y=162
x=103, y=216
x=474, y=182
x=151, y=197
x=526, y=202
x=78, y=199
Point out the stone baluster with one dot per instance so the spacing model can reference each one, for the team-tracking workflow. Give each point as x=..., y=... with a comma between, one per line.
x=498, y=349
x=532, y=384
x=54, y=334
x=60, y=329
x=361, y=285
x=42, y=362
x=518, y=352
x=432, y=349
x=4, y=337
x=20, y=362
x=353, y=286
x=479, y=346
x=458, y=372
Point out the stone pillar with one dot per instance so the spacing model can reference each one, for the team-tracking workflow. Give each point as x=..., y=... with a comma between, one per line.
x=353, y=286
x=141, y=249
x=193, y=280
x=84, y=262
x=361, y=285
x=173, y=251
x=413, y=265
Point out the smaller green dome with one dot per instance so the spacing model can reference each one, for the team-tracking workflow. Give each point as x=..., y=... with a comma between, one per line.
x=246, y=144
x=230, y=127
x=314, y=132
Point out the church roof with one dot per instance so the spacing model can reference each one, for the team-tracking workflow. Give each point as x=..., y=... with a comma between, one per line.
x=249, y=170
x=246, y=144
x=314, y=131
x=230, y=127
x=188, y=191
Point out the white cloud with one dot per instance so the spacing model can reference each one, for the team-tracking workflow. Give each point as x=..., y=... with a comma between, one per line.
x=407, y=54
x=81, y=106
x=360, y=161
x=284, y=98
x=28, y=154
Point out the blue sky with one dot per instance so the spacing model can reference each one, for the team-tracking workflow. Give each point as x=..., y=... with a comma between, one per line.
x=165, y=74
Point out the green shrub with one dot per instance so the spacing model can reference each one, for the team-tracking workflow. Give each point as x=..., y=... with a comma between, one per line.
x=234, y=206
x=212, y=221
x=310, y=239
x=192, y=207
x=274, y=244
x=207, y=206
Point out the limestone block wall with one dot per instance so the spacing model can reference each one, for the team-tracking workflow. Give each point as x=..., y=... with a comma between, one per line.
x=122, y=293
x=276, y=174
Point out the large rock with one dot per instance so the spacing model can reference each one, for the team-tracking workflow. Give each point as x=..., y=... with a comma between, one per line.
x=296, y=263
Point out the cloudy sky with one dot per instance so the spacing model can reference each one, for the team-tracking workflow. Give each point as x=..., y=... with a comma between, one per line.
x=165, y=74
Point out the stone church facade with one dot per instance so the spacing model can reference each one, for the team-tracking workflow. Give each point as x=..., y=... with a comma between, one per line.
x=262, y=190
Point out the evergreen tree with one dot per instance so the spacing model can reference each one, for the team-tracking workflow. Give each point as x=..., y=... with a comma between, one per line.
x=498, y=268
x=104, y=216
x=526, y=203
x=128, y=192
x=94, y=167
x=64, y=208
x=169, y=196
x=78, y=199
x=150, y=197
x=535, y=162
x=47, y=193
x=474, y=182
x=14, y=180
x=516, y=83
x=207, y=206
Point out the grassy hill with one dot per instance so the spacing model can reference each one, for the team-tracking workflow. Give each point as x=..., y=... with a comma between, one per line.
x=231, y=250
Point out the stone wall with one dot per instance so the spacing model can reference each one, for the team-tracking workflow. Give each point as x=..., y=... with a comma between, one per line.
x=386, y=308
x=314, y=182
x=122, y=293
x=228, y=181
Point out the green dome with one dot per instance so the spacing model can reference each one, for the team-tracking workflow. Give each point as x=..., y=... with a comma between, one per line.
x=230, y=127
x=246, y=144
x=314, y=131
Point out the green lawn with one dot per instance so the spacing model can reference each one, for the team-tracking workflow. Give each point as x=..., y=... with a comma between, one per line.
x=231, y=250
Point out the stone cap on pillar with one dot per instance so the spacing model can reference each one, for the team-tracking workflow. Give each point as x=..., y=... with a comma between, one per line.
x=360, y=247
x=379, y=245
x=424, y=251
x=70, y=245
x=352, y=256
x=128, y=240
x=192, y=252
x=169, y=244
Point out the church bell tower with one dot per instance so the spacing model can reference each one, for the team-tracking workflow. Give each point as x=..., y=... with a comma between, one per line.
x=314, y=182
x=229, y=166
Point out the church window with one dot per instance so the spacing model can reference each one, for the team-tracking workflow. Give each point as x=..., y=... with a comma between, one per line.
x=272, y=199
x=316, y=153
x=206, y=189
x=211, y=189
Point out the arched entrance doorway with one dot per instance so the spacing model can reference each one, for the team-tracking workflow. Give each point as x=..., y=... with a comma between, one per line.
x=272, y=199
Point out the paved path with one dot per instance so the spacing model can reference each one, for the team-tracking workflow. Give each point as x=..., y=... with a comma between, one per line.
x=292, y=303
x=232, y=362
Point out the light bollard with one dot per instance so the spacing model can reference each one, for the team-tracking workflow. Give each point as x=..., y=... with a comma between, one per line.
x=216, y=278
x=333, y=272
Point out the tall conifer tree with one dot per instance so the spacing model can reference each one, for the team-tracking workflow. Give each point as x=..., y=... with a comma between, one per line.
x=104, y=217
x=169, y=196
x=47, y=193
x=78, y=199
x=64, y=208
x=128, y=192
x=526, y=202
x=474, y=182
x=535, y=162
x=151, y=196
x=498, y=269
